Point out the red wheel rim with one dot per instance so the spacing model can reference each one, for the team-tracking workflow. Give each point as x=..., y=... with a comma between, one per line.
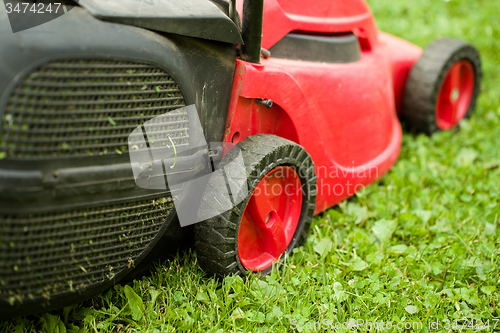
x=455, y=95
x=270, y=219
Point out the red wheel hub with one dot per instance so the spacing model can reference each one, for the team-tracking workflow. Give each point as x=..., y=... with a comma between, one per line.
x=270, y=218
x=455, y=95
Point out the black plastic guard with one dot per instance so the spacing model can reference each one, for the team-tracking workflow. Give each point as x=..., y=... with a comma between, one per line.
x=340, y=49
x=203, y=69
x=194, y=18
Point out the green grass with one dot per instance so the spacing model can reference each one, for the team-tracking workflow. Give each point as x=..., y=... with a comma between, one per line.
x=419, y=245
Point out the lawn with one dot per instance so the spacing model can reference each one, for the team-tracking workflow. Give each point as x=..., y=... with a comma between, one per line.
x=419, y=246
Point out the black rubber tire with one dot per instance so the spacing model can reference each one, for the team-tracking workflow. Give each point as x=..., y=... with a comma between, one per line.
x=426, y=77
x=216, y=238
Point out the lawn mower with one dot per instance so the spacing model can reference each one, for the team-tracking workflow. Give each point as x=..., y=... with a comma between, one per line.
x=307, y=95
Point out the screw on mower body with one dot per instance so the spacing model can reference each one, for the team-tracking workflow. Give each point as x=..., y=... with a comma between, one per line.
x=267, y=102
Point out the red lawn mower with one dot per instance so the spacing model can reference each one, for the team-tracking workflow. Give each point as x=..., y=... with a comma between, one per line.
x=311, y=94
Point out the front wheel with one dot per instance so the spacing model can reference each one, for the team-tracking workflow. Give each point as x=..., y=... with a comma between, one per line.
x=271, y=220
x=443, y=86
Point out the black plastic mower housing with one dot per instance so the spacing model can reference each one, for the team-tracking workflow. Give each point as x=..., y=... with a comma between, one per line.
x=73, y=185
x=195, y=18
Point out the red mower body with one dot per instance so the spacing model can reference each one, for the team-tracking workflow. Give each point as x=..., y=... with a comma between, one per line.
x=344, y=115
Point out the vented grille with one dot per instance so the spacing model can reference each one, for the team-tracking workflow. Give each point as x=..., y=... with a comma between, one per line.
x=88, y=107
x=47, y=254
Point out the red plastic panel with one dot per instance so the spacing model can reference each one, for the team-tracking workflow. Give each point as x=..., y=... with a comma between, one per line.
x=337, y=115
x=325, y=16
x=326, y=9
x=353, y=115
x=255, y=118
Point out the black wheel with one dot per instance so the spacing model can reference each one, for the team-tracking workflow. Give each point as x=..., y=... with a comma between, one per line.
x=443, y=86
x=273, y=217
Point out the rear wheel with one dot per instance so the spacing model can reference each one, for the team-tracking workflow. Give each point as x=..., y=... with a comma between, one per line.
x=443, y=86
x=273, y=218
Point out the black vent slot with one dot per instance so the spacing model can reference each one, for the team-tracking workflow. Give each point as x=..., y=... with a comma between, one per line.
x=87, y=107
x=339, y=48
x=45, y=255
